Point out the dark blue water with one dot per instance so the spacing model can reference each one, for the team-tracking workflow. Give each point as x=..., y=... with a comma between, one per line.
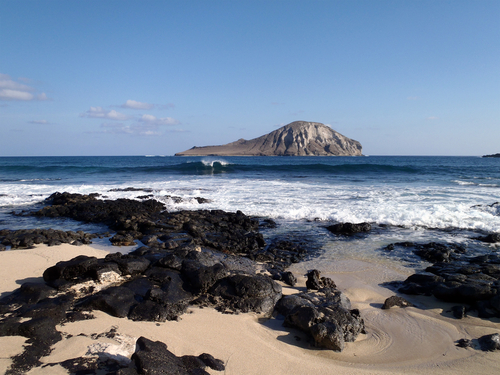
x=421, y=196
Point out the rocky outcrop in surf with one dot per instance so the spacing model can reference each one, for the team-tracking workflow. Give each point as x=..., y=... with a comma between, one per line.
x=299, y=138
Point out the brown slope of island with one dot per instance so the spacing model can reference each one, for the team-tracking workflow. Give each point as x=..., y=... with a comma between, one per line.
x=299, y=138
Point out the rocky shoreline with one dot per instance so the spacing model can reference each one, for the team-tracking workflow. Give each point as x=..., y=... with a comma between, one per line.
x=191, y=258
x=207, y=259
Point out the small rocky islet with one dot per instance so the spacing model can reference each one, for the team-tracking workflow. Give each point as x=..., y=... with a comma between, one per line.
x=492, y=155
x=207, y=258
x=299, y=138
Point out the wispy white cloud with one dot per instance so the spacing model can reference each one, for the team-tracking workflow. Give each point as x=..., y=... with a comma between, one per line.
x=8, y=94
x=153, y=120
x=7, y=83
x=39, y=122
x=12, y=90
x=133, y=104
x=137, y=129
x=144, y=125
x=99, y=112
x=432, y=118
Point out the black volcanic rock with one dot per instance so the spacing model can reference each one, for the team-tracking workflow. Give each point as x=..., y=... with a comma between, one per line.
x=27, y=238
x=299, y=138
x=246, y=293
x=153, y=357
x=490, y=342
x=460, y=279
x=490, y=238
x=349, y=228
x=204, y=258
x=326, y=315
x=316, y=282
x=395, y=301
x=433, y=251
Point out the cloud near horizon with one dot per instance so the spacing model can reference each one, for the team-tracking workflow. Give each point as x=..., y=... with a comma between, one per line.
x=145, y=125
x=133, y=104
x=138, y=129
x=12, y=90
x=99, y=112
x=40, y=122
x=153, y=120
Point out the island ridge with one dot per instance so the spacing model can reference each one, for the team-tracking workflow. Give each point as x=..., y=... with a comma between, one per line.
x=299, y=138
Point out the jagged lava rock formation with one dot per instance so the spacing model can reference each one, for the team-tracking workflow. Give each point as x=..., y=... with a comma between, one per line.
x=299, y=138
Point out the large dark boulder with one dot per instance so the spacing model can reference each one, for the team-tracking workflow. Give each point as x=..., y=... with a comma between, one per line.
x=152, y=311
x=132, y=265
x=316, y=282
x=328, y=335
x=288, y=303
x=395, y=301
x=325, y=315
x=165, y=300
x=116, y=301
x=287, y=277
x=153, y=357
x=200, y=277
x=349, y=229
x=245, y=293
x=71, y=270
x=424, y=283
x=302, y=317
x=490, y=342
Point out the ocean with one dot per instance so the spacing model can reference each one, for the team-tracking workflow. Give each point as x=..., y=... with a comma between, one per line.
x=405, y=198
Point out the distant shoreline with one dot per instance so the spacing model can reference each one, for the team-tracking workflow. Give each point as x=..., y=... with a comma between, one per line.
x=492, y=156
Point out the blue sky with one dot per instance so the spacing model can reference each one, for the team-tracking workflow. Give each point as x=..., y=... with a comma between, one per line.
x=158, y=77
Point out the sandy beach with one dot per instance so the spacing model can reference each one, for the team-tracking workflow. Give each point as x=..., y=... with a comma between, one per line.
x=414, y=340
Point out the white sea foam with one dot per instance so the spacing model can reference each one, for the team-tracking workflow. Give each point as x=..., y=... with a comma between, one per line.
x=464, y=182
x=210, y=163
x=409, y=206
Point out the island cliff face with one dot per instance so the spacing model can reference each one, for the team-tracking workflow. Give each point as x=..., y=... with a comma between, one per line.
x=299, y=138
